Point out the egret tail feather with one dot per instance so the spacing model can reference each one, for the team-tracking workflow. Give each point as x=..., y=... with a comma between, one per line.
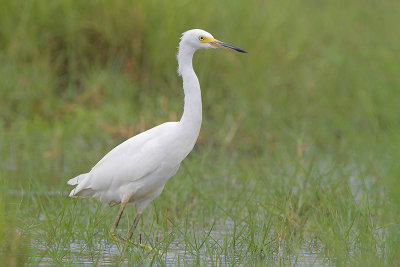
x=85, y=192
x=77, y=179
x=80, y=191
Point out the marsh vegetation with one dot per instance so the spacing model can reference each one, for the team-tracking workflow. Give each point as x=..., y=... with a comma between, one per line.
x=298, y=157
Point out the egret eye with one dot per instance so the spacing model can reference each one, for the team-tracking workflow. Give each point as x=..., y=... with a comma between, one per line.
x=201, y=38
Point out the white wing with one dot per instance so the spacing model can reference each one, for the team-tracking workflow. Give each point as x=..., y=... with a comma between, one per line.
x=133, y=159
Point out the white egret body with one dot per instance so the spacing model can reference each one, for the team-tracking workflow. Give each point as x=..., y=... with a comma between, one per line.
x=136, y=170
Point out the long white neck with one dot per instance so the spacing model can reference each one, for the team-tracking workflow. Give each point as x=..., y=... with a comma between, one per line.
x=191, y=117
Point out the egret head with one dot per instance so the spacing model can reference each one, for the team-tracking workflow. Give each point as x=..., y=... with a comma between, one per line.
x=199, y=39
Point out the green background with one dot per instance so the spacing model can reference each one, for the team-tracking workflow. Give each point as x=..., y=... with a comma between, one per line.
x=298, y=155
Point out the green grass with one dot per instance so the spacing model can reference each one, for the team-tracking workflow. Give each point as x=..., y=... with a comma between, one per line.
x=298, y=152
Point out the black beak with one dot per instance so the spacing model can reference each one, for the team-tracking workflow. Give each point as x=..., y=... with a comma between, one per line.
x=225, y=45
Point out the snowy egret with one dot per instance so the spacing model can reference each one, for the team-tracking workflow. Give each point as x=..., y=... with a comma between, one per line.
x=136, y=170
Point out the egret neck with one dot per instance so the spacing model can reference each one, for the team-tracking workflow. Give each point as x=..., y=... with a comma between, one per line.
x=191, y=117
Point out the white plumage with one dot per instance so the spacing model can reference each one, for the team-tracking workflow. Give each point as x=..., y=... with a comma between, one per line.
x=136, y=170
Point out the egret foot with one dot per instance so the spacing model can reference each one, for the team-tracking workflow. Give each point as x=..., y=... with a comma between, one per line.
x=116, y=237
x=146, y=248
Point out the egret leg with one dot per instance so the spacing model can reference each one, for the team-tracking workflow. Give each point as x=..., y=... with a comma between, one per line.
x=113, y=235
x=133, y=227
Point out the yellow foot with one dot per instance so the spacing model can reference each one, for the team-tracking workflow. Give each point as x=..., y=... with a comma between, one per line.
x=125, y=242
x=116, y=237
x=146, y=248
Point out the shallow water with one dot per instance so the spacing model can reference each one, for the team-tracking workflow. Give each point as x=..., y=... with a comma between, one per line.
x=104, y=252
x=178, y=253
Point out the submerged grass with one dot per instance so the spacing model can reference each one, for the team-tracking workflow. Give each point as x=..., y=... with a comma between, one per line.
x=297, y=160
